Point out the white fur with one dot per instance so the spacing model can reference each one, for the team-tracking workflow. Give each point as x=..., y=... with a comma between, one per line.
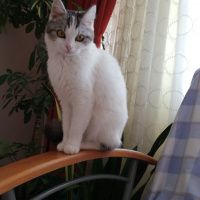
x=57, y=8
x=92, y=94
x=89, y=17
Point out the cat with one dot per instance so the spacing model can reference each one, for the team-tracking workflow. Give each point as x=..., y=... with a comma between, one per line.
x=87, y=81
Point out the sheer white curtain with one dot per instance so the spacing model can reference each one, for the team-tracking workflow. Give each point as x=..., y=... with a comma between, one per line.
x=157, y=46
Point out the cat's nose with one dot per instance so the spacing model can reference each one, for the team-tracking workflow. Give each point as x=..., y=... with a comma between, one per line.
x=68, y=47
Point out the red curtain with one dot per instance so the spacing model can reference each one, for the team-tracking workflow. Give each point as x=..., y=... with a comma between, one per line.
x=104, y=12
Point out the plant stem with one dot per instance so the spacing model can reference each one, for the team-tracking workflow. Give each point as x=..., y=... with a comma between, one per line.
x=11, y=158
x=13, y=153
x=28, y=89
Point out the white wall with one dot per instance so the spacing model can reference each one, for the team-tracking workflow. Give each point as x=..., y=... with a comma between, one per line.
x=15, y=49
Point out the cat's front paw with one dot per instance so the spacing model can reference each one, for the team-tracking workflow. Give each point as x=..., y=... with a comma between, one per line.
x=60, y=146
x=71, y=149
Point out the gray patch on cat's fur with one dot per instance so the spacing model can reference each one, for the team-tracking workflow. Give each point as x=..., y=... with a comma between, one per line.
x=67, y=20
x=88, y=33
x=54, y=25
x=104, y=147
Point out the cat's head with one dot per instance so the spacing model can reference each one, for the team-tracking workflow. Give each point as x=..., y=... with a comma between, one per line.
x=69, y=32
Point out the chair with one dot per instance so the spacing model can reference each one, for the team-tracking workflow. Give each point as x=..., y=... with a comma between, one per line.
x=19, y=172
x=177, y=174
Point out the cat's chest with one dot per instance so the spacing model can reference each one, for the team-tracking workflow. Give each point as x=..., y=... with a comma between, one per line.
x=68, y=78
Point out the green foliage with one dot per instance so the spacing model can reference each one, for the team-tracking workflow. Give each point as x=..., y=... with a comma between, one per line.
x=78, y=7
x=27, y=90
x=11, y=150
x=32, y=14
x=142, y=167
x=28, y=93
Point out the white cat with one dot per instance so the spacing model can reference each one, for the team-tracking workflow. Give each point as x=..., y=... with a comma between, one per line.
x=87, y=80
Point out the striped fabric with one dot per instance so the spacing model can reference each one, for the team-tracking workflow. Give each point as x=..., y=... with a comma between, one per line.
x=177, y=176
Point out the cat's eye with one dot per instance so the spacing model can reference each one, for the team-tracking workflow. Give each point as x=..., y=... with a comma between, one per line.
x=80, y=38
x=60, y=34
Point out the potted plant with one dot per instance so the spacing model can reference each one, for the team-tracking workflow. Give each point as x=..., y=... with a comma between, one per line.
x=29, y=92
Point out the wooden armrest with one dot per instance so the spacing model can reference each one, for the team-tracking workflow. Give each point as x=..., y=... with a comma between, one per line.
x=24, y=170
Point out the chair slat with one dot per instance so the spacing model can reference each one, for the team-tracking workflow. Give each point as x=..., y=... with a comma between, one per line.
x=24, y=170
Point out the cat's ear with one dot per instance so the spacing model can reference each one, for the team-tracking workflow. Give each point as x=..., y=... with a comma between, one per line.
x=89, y=17
x=57, y=10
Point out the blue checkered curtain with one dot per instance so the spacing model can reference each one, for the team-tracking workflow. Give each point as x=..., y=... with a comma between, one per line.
x=177, y=176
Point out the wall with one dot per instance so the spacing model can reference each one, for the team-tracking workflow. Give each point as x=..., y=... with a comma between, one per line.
x=15, y=49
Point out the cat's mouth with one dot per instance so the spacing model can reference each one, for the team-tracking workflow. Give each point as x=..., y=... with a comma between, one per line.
x=70, y=53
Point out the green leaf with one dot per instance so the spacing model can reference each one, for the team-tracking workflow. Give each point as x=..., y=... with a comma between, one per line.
x=16, y=88
x=38, y=33
x=49, y=4
x=31, y=60
x=143, y=166
x=34, y=4
x=25, y=83
x=18, y=91
x=139, y=192
x=29, y=28
x=38, y=99
x=40, y=10
x=33, y=185
x=41, y=50
x=11, y=111
x=9, y=96
x=27, y=117
x=46, y=110
x=159, y=141
x=78, y=7
x=9, y=71
x=17, y=74
x=30, y=76
x=5, y=150
x=31, y=145
x=23, y=104
x=9, y=79
x=81, y=168
x=3, y=143
x=3, y=79
x=7, y=103
x=45, y=181
x=17, y=145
